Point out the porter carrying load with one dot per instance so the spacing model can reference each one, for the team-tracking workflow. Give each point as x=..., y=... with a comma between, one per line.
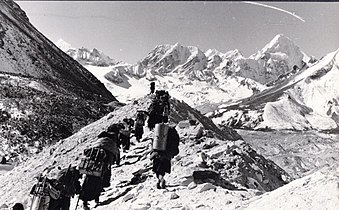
x=42, y=193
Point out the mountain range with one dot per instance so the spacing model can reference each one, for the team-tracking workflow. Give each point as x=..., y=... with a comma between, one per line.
x=270, y=89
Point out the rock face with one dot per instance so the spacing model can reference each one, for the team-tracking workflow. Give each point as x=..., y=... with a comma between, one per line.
x=45, y=95
x=240, y=164
x=26, y=52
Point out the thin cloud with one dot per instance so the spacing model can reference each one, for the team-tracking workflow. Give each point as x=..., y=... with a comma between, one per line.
x=73, y=16
x=275, y=8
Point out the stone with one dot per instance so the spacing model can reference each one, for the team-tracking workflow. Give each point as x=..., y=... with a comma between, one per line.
x=192, y=185
x=128, y=197
x=174, y=196
x=3, y=206
x=207, y=186
x=197, y=132
x=183, y=124
x=142, y=206
x=186, y=181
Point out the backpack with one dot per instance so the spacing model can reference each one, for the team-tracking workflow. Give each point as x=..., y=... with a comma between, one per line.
x=160, y=103
x=160, y=137
x=41, y=197
x=161, y=94
x=173, y=139
x=140, y=119
x=93, y=163
x=68, y=181
x=159, y=108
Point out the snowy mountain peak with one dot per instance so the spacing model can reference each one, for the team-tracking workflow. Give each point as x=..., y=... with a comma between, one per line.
x=167, y=58
x=95, y=51
x=232, y=54
x=280, y=43
x=85, y=56
x=176, y=45
x=63, y=45
x=212, y=52
x=235, y=54
x=278, y=58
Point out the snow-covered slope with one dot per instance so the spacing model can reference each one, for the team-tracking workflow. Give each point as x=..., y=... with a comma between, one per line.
x=85, y=56
x=63, y=45
x=318, y=190
x=309, y=100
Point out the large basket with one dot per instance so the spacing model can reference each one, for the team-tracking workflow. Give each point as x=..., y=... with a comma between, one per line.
x=91, y=167
x=160, y=137
x=92, y=164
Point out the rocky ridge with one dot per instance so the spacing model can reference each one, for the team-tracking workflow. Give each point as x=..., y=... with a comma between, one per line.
x=206, y=160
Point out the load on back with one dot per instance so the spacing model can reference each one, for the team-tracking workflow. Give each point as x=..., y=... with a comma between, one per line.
x=159, y=109
x=50, y=194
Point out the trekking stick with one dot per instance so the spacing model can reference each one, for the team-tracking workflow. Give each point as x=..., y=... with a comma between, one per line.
x=34, y=194
x=85, y=178
x=30, y=208
x=76, y=206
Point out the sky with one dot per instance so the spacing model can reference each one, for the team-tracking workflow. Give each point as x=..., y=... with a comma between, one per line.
x=128, y=31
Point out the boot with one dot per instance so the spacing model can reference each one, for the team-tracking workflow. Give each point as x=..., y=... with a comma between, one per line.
x=163, y=184
x=96, y=200
x=85, y=206
x=158, y=184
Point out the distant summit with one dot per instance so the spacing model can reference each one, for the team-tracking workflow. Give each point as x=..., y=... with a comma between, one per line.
x=85, y=56
x=63, y=45
x=279, y=57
